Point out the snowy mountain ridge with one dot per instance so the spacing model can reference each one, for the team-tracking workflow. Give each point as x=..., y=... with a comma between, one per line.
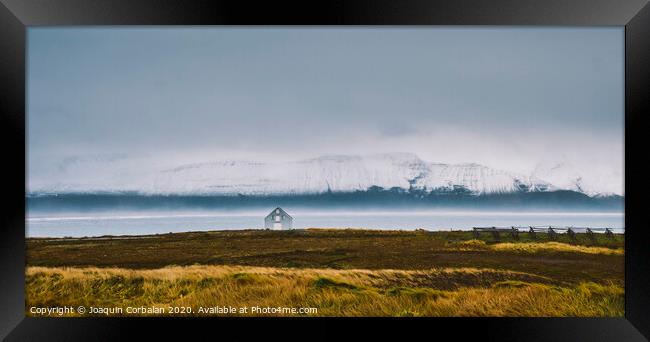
x=330, y=173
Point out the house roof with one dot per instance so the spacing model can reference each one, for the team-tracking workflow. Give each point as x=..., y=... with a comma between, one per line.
x=281, y=210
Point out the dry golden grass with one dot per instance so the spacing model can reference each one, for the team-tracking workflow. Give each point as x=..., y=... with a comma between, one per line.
x=356, y=292
x=555, y=247
x=533, y=247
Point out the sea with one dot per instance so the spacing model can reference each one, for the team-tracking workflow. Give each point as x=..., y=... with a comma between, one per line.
x=146, y=222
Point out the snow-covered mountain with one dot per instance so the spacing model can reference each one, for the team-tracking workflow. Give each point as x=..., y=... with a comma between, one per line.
x=336, y=173
x=594, y=182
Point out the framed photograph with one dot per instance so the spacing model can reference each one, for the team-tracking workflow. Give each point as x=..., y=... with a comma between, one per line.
x=433, y=165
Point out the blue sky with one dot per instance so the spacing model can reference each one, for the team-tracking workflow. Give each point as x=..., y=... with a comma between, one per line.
x=506, y=97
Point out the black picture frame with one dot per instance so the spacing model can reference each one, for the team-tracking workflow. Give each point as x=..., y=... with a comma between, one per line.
x=17, y=15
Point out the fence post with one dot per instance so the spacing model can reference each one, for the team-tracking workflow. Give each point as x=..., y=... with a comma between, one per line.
x=571, y=234
x=515, y=233
x=591, y=235
x=476, y=233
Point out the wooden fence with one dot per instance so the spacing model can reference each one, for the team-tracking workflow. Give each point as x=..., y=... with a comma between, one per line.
x=532, y=231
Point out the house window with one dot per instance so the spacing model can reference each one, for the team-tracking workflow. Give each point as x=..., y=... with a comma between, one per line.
x=277, y=218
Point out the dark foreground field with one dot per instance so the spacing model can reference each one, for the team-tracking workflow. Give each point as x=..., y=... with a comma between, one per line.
x=338, y=272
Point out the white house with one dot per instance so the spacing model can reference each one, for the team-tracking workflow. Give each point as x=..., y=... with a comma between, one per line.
x=278, y=219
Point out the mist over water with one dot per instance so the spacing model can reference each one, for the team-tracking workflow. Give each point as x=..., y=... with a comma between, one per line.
x=80, y=224
x=97, y=215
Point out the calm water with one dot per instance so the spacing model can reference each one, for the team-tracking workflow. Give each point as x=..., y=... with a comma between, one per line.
x=139, y=223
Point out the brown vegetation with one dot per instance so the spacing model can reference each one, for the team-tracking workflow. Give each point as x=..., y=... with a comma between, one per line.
x=339, y=272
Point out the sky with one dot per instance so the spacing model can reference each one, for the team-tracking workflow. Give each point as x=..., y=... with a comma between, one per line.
x=505, y=97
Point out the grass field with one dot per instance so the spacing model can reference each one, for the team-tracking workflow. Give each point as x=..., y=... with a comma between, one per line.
x=338, y=272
